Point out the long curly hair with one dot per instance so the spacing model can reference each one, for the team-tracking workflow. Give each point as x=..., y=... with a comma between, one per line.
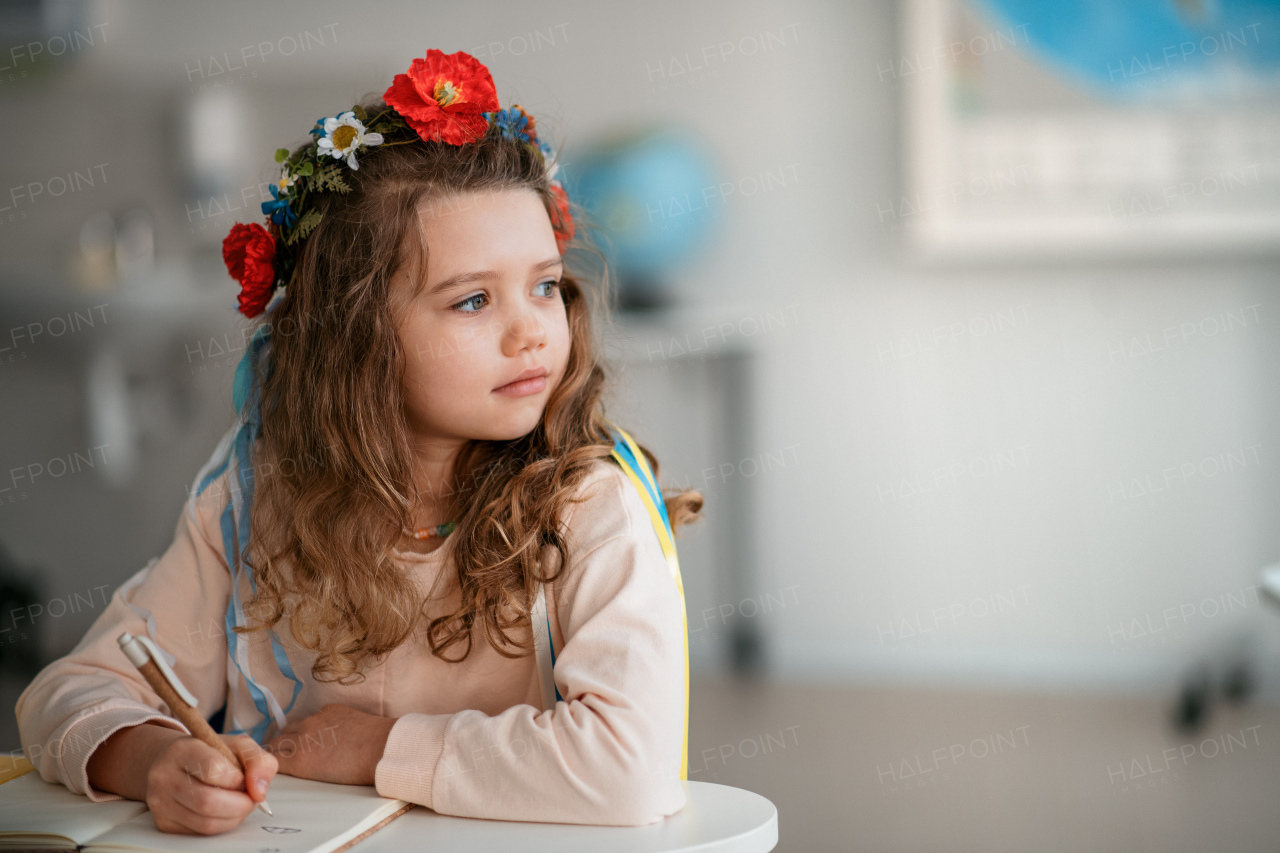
x=334, y=436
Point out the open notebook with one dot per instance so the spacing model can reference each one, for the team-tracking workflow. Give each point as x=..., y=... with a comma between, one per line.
x=310, y=817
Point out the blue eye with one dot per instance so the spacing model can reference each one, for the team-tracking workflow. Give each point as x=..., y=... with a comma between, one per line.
x=457, y=307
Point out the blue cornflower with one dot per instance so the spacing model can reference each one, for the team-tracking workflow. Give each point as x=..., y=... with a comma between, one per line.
x=279, y=210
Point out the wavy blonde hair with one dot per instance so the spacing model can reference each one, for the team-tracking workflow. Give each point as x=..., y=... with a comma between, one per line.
x=323, y=532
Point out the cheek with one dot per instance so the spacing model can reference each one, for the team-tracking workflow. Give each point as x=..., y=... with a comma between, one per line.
x=429, y=350
x=421, y=351
x=560, y=331
x=441, y=373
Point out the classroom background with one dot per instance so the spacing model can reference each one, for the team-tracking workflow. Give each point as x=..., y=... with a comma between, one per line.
x=959, y=314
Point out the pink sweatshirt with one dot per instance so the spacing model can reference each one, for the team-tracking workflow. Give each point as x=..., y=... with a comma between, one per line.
x=470, y=739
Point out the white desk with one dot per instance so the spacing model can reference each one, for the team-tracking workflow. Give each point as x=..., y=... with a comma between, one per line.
x=715, y=818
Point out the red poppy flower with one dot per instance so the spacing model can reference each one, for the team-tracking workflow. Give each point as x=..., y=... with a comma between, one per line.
x=249, y=253
x=444, y=98
x=562, y=222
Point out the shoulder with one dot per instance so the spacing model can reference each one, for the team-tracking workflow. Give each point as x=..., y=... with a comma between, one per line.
x=193, y=569
x=207, y=500
x=609, y=528
x=604, y=506
x=614, y=559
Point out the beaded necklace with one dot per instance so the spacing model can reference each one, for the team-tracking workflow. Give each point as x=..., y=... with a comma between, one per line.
x=439, y=531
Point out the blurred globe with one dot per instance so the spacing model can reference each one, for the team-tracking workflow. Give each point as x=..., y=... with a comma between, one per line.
x=1132, y=47
x=654, y=195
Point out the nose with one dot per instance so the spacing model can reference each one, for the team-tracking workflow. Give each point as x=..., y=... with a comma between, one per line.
x=524, y=330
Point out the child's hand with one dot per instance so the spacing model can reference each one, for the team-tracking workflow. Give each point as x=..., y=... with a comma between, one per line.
x=335, y=744
x=193, y=790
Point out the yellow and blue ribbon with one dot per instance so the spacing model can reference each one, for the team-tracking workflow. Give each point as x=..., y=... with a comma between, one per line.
x=636, y=467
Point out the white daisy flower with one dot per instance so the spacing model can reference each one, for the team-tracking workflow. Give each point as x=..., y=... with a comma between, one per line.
x=344, y=135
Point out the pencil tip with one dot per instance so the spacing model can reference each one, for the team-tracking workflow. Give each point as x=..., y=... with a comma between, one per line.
x=266, y=808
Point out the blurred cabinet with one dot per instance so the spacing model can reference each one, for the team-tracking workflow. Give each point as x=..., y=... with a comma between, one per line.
x=686, y=390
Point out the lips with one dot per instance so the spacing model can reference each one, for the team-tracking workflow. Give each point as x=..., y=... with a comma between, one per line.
x=527, y=374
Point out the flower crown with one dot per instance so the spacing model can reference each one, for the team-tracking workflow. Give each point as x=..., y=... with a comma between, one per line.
x=441, y=98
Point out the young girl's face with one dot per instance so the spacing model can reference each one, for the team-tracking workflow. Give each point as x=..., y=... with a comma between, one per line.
x=489, y=312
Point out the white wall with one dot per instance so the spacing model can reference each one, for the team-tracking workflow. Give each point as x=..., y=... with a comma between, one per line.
x=1059, y=397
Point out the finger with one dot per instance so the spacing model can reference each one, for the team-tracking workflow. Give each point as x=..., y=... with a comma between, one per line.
x=204, y=764
x=210, y=801
x=198, y=822
x=285, y=759
x=259, y=766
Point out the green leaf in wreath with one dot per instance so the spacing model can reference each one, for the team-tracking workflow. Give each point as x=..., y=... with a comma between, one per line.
x=328, y=178
x=281, y=154
x=306, y=168
x=305, y=226
x=360, y=114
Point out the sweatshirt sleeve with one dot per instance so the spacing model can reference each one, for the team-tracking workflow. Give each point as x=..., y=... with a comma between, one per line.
x=609, y=752
x=78, y=701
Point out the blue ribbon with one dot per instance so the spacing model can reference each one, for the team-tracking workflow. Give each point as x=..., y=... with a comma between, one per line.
x=236, y=517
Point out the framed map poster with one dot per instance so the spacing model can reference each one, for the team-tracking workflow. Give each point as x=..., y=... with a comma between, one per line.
x=1078, y=130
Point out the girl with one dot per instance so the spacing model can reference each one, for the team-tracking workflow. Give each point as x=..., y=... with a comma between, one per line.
x=419, y=510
